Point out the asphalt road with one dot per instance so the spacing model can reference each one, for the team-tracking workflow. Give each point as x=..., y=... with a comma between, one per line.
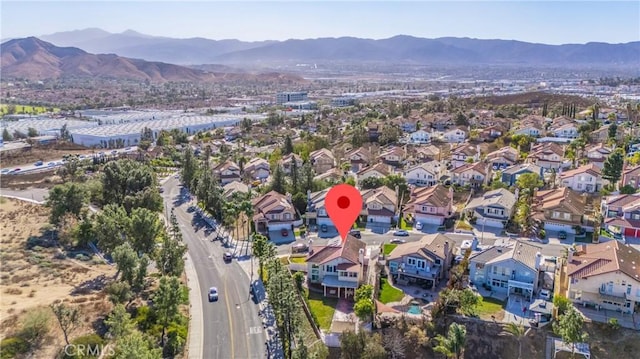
x=231, y=326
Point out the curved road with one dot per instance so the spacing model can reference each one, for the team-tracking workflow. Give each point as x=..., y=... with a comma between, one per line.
x=231, y=326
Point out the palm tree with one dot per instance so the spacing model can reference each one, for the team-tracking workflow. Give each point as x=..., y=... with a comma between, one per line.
x=453, y=344
x=518, y=331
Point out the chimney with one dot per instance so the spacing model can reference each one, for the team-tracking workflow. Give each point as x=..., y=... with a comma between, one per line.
x=361, y=255
x=446, y=250
x=570, y=255
x=538, y=260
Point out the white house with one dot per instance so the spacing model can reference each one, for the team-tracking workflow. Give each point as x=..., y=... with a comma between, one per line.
x=473, y=174
x=587, y=178
x=455, y=135
x=423, y=174
x=568, y=130
x=258, y=168
x=420, y=137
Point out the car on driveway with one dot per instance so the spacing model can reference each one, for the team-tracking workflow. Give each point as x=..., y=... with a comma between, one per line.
x=418, y=226
x=401, y=233
x=562, y=235
x=397, y=241
x=356, y=233
x=299, y=248
x=213, y=294
x=284, y=232
x=227, y=256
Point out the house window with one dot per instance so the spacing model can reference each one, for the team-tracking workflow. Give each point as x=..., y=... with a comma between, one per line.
x=330, y=269
x=629, y=289
x=287, y=216
x=353, y=275
x=635, y=216
x=495, y=270
x=411, y=261
x=567, y=216
x=273, y=216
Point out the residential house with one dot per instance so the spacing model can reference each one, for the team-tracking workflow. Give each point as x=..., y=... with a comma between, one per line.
x=273, y=212
x=227, y=172
x=456, y=135
x=358, y=158
x=462, y=154
x=379, y=170
x=379, y=207
x=622, y=214
x=332, y=175
x=338, y=269
x=490, y=133
x=423, y=174
x=432, y=205
x=258, y=168
x=502, y=158
x=287, y=162
x=529, y=129
x=472, y=174
x=547, y=155
x=605, y=276
x=587, y=178
x=631, y=177
x=597, y=154
x=408, y=124
x=566, y=130
x=230, y=188
x=426, y=262
x=492, y=209
x=374, y=130
x=511, y=174
x=420, y=137
x=510, y=269
x=394, y=156
x=602, y=134
x=317, y=216
x=558, y=209
x=322, y=160
x=427, y=153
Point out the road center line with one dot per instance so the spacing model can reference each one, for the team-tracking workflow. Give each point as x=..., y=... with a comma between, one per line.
x=226, y=299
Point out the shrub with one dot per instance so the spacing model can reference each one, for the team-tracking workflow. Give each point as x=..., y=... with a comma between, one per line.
x=11, y=347
x=613, y=324
x=93, y=342
x=176, y=338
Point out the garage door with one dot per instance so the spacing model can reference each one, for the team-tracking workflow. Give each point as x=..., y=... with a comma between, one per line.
x=558, y=227
x=630, y=232
x=429, y=220
x=490, y=223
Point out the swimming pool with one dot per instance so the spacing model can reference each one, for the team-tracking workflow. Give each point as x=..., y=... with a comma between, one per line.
x=414, y=309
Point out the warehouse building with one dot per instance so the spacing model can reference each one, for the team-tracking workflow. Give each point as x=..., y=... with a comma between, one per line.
x=44, y=125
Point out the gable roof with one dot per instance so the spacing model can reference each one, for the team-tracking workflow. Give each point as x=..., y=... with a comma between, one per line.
x=431, y=246
x=531, y=167
x=465, y=149
x=631, y=171
x=590, y=168
x=381, y=168
x=564, y=197
x=269, y=202
x=546, y=148
x=323, y=152
x=432, y=167
x=522, y=252
x=501, y=197
x=438, y=195
x=379, y=194
x=361, y=152
x=479, y=167
x=508, y=152
x=226, y=165
x=612, y=256
x=348, y=250
x=255, y=163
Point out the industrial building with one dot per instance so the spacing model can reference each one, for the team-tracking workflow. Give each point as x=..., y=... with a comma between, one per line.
x=285, y=97
x=44, y=125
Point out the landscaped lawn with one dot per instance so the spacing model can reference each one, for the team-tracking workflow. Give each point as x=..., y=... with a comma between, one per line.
x=463, y=225
x=388, y=247
x=388, y=293
x=489, y=306
x=322, y=308
x=297, y=259
x=404, y=225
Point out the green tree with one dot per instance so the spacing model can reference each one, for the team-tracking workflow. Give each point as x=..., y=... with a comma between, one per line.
x=352, y=344
x=612, y=169
x=68, y=318
x=453, y=344
x=359, y=136
x=278, y=183
x=119, y=322
x=6, y=136
x=561, y=303
x=395, y=180
x=126, y=178
x=627, y=189
x=189, y=168
x=389, y=134
x=371, y=182
x=35, y=326
x=263, y=250
x=135, y=345
x=528, y=182
x=111, y=227
x=119, y=292
x=613, y=131
x=32, y=132
x=570, y=327
x=518, y=331
x=364, y=306
x=126, y=261
x=66, y=198
x=288, y=146
x=169, y=258
x=145, y=227
x=166, y=302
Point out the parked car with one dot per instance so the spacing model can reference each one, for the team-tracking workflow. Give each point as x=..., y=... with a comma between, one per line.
x=356, y=233
x=227, y=256
x=401, y=233
x=545, y=294
x=39, y=163
x=284, y=232
x=51, y=164
x=418, y=225
x=562, y=235
x=323, y=228
x=213, y=294
x=299, y=248
x=397, y=240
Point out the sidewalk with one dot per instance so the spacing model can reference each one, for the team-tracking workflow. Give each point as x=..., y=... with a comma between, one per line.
x=196, y=327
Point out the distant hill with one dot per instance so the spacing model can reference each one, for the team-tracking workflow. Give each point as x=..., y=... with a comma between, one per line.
x=397, y=49
x=34, y=59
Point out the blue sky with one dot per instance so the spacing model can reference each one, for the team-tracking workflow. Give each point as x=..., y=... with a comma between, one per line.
x=550, y=22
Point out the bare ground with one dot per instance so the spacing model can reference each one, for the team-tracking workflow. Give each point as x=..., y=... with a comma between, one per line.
x=43, y=153
x=38, y=277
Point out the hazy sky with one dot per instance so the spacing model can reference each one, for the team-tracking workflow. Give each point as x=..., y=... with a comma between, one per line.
x=551, y=22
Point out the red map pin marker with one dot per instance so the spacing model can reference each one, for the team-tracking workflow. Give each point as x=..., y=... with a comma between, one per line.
x=343, y=203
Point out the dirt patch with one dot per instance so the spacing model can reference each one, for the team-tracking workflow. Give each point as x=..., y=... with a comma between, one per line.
x=34, y=276
x=40, y=153
x=530, y=99
x=44, y=179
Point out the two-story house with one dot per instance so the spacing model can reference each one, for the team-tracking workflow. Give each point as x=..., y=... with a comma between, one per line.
x=472, y=174
x=510, y=269
x=322, y=160
x=426, y=153
x=605, y=276
x=492, y=209
x=511, y=174
x=622, y=214
x=558, y=209
x=317, y=216
x=379, y=170
x=567, y=130
x=426, y=262
x=547, y=155
x=587, y=178
x=529, y=129
x=456, y=135
x=393, y=156
x=424, y=174
x=602, y=134
x=379, y=207
x=257, y=168
x=358, y=158
x=502, y=158
x=338, y=269
x=631, y=177
x=597, y=154
x=227, y=172
x=432, y=205
x=230, y=188
x=462, y=154
x=287, y=162
x=420, y=137
x=273, y=212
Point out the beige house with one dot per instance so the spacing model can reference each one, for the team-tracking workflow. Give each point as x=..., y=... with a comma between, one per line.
x=274, y=212
x=425, y=262
x=322, y=160
x=547, y=155
x=227, y=172
x=287, y=162
x=605, y=276
x=558, y=209
x=432, y=205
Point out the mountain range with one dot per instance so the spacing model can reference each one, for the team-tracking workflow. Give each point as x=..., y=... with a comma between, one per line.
x=398, y=49
x=35, y=59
